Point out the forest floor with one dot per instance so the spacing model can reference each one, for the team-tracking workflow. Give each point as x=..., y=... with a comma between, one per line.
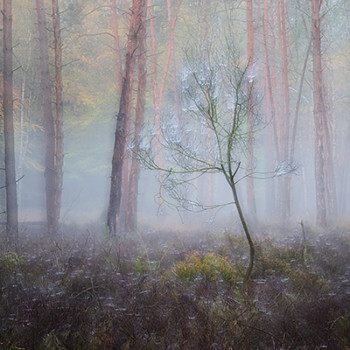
x=160, y=290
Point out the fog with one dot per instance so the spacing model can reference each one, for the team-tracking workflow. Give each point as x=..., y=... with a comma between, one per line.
x=91, y=102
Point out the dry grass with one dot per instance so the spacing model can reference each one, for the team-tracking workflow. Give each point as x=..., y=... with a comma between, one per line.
x=175, y=291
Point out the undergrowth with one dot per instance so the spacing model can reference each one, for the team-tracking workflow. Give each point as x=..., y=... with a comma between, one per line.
x=162, y=291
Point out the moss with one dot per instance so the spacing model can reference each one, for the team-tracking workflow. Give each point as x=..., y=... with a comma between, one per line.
x=210, y=266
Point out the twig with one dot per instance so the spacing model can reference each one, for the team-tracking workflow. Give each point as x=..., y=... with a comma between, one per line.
x=260, y=330
x=303, y=244
x=16, y=182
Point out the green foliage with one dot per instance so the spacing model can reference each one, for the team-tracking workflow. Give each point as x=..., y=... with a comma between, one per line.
x=272, y=265
x=51, y=342
x=278, y=260
x=307, y=283
x=210, y=266
x=141, y=265
x=341, y=328
x=11, y=262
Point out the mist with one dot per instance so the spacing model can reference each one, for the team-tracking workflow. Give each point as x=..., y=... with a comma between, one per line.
x=175, y=174
x=91, y=101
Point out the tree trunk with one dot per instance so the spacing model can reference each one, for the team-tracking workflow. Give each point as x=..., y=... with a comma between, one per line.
x=272, y=130
x=131, y=207
x=10, y=167
x=250, y=142
x=59, y=114
x=158, y=91
x=116, y=43
x=49, y=127
x=319, y=115
x=285, y=107
x=120, y=133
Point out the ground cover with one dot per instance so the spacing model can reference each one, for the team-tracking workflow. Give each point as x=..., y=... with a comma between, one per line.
x=172, y=290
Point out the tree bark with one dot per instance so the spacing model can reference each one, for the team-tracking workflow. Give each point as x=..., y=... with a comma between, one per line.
x=120, y=133
x=272, y=129
x=250, y=141
x=59, y=115
x=131, y=207
x=48, y=121
x=116, y=44
x=319, y=115
x=10, y=166
x=158, y=90
x=284, y=197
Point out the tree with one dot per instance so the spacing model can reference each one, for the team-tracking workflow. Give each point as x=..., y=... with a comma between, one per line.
x=324, y=177
x=250, y=141
x=10, y=166
x=116, y=43
x=59, y=116
x=120, y=133
x=48, y=121
x=215, y=95
x=159, y=89
x=131, y=200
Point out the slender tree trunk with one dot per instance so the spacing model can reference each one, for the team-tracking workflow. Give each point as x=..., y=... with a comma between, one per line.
x=10, y=166
x=345, y=179
x=158, y=90
x=131, y=207
x=284, y=197
x=120, y=133
x=116, y=43
x=250, y=141
x=329, y=161
x=319, y=115
x=272, y=129
x=59, y=114
x=48, y=121
x=21, y=152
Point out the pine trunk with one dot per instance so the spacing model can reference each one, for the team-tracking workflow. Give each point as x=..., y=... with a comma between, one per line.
x=116, y=43
x=120, y=133
x=10, y=166
x=319, y=116
x=131, y=207
x=48, y=122
x=250, y=142
x=59, y=114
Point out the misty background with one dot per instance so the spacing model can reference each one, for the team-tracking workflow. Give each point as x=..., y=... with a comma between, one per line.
x=91, y=101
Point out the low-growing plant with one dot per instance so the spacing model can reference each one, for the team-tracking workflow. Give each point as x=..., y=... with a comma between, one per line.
x=341, y=328
x=307, y=283
x=210, y=266
x=11, y=263
x=271, y=265
x=141, y=265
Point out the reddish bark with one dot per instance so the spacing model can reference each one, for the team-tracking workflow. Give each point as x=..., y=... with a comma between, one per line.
x=158, y=90
x=131, y=205
x=284, y=193
x=319, y=116
x=124, y=108
x=271, y=130
x=250, y=141
x=116, y=43
x=269, y=88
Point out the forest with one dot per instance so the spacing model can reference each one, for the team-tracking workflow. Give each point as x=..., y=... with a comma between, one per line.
x=174, y=174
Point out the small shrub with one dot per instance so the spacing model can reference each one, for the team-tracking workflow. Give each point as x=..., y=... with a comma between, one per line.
x=270, y=264
x=307, y=283
x=210, y=266
x=141, y=265
x=11, y=263
x=342, y=330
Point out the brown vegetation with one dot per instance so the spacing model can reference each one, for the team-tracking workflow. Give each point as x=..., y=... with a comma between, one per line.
x=175, y=291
